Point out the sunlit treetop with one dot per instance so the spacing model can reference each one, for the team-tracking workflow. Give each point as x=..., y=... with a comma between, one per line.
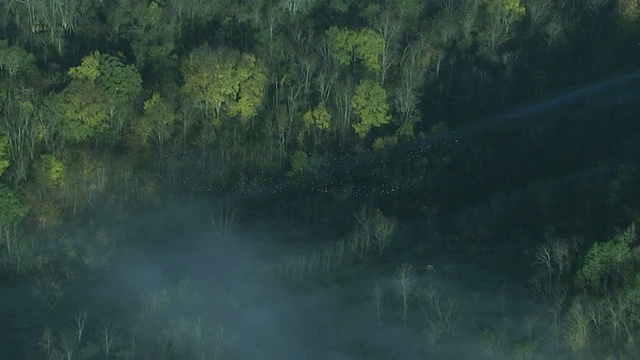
x=507, y=10
x=117, y=79
x=88, y=69
x=350, y=47
x=370, y=105
x=121, y=81
x=224, y=79
x=318, y=118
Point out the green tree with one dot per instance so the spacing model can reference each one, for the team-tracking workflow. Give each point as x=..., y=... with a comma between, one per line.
x=14, y=60
x=606, y=263
x=99, y=97
x=318, y=118
x=316, y=121
x=86, y=110
x=370, y=105
x=157, y=124
x=122, y=83
x=350, y=47
x=224, y=80
x=4, y=156
x=53, y=169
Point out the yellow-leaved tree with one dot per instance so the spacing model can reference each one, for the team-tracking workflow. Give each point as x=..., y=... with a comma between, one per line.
x=224, y=82
x=370, y=105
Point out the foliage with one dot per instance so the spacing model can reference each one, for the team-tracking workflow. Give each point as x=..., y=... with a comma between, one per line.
x=158, y=122
x=53, y=168
x=88, y=69
x=318, y=118
x=370, y=104
x=605, y=263
x=224, y=79
x=12, y=208
x=86, y=109
x=15, y=60
x=350, y=47
x=4, y=156
x=121, y=82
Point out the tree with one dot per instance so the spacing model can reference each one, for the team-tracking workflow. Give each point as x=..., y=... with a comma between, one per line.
x=407, y=11
x=12, y=212
x=100, y=97
x=19, y=128
x=316, y=121
x=85, y=104
x=605, y=263
x=376, y=299
x=628, y=16
x=122, y=83
x=224, y=79
x=538, y=12
x=157, y=124
x=14, y=60
x=405, y=280
x=553, y=32
x=407, y=94
x=577, y=326
x=370, y=105
x=297, y=6
x=500, y=19
x=318, y=118
x=86, y=110
x=151, y=28
x=388, y=27
x=48, y=21
x=350, y=47
x=108, y=333
x=382, y=231
x=4, y=156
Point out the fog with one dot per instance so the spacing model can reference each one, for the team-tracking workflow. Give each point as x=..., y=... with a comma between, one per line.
x=235, y=286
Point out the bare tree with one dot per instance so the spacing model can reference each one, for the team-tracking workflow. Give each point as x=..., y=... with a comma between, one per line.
x=382, y=231
x=442, y=314
x=107, y=334
x=376, y=299
x=538, y=11
x=223, y=220
x=46, y=343
x=553, y=261
x=553, y=32
x=388, y=26
x=405, y=279
x=68, y=344
x=219, y=344
x=80, y=321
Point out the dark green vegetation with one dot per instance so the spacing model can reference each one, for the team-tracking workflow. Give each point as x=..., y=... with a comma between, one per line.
x=278, y=180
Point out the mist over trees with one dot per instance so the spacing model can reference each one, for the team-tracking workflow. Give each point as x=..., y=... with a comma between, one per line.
x=292, y=179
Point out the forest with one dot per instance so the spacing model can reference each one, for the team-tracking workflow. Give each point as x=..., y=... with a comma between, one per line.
x=319, y=179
